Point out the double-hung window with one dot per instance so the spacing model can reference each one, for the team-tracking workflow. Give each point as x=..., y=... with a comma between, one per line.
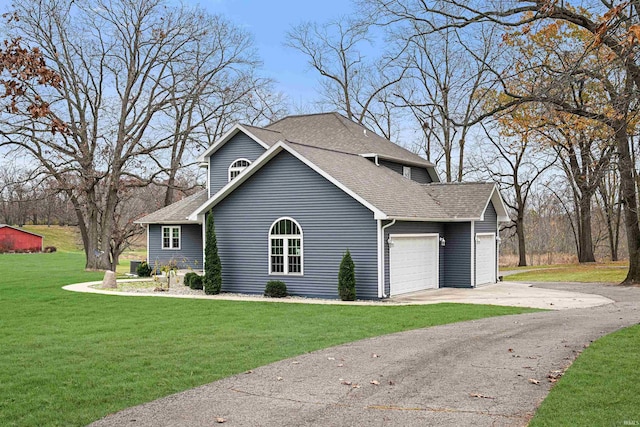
x=285, y=247
x=171, y=237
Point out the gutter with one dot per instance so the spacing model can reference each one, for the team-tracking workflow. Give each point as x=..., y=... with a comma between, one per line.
x=381, y=255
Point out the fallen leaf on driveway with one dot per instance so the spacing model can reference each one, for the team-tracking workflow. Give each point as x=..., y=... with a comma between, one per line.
x=510, y=350
x=249, y=372
x=374, y=355
x=481, y=396
x=279, y=378
x=534, y=381
x=391, y=382
x=374, y=382
x=345, y=382
x=340, y=365
x=355, y=386
x=331, y=358
x=295, y=362
x=220, y=420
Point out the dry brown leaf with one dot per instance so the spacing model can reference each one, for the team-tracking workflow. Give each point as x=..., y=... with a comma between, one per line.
x=343, y=382
x=374, y=382
x=481, y=396
x=331, y=358
x=249, y=372
x=391, y=382
x=340, y=365
x=510, y=350
x=295, y=362
x=374, y=355
x=279, y=378
x=355, y=386
x=534, y=381
x=220, y=420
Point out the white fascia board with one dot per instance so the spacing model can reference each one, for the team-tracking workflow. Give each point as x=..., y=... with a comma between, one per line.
x=264, y=159
x=498, y=204
x=179, y=222
x=400, y=218
x=225, y=138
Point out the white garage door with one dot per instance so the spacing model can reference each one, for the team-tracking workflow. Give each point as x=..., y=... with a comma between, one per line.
x=413, y=262
x=485, y=258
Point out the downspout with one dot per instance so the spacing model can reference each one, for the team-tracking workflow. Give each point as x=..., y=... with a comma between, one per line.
x=376, y=160
x=381, y=273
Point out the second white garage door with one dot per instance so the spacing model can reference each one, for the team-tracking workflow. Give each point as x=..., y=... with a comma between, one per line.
x=413, y=262
x=485, y=258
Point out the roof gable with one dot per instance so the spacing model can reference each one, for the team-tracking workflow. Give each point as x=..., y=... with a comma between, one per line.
x=264, y=137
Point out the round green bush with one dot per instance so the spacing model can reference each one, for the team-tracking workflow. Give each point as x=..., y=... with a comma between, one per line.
x=188, y=278
x=196, y=282
x=275, y=289
x=143, y=269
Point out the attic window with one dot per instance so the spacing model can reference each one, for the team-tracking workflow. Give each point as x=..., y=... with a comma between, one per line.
x=237, y=167
x=406, y=171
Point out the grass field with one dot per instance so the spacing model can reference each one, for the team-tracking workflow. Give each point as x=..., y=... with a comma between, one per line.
x=601, y=388
x=602, y=273
x=68, y=358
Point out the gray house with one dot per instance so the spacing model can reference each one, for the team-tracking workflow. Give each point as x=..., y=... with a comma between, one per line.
x=289, y=199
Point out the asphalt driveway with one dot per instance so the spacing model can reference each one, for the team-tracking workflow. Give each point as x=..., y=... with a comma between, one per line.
x=470, y=373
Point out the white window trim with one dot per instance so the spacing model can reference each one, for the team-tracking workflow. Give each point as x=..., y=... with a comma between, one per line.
x=285, y=249
x=171, y=228
x=238, y=169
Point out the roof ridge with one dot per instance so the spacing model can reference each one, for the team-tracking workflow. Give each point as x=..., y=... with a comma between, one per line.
x=261, y=128
x=321, y=148
x=291, y=116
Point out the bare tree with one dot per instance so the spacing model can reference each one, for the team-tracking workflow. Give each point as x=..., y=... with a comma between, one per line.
x=515, y=164
x=350, y=82
x=443, y=89
x=116, y=61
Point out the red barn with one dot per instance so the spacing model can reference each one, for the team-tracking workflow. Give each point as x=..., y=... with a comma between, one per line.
x=16, y=239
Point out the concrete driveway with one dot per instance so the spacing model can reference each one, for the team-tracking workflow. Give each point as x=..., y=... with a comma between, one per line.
x=469, y=373
x=510, y=294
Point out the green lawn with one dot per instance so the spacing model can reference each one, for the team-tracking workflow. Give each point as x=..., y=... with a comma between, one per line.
x=601, y=273
x=601, y=388
x=68, y=358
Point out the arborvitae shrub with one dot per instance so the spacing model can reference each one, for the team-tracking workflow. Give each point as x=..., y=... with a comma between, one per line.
x=347, y=278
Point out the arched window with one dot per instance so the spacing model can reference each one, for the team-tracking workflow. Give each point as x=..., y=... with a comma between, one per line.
x=238, y=166
x=285, y=247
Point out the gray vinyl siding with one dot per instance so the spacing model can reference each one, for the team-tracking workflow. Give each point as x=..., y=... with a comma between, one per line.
x=331, y=223
x=396, y=167
x=454, y=258
x=490, y=223
x=407, y=227
x=190, y=252
x=457, y=269
x=420, y=175
x=239, y=146
x=417, y=174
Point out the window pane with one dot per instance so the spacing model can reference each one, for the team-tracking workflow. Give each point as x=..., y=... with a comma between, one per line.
x=277, y=255
x=176, y=233
x=165, y=242
x=165, y=231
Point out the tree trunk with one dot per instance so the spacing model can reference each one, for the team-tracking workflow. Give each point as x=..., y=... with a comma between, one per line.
x=630, y=204
x=522, y=252
x=585, y=238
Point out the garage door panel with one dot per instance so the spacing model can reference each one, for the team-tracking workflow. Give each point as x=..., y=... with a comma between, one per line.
x=413, y=263
x=485, y=258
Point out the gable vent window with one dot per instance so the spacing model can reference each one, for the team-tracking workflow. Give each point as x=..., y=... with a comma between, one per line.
x=285, y=247
x=237, y=167
x=406, y=171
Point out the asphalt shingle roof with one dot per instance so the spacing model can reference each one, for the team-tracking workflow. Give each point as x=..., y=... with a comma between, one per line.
x=336, y=132
x=176, y=212
x=461, y=199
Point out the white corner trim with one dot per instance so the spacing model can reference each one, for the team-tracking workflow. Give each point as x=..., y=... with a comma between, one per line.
x=473, y=254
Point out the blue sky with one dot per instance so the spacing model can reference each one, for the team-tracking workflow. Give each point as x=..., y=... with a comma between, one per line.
x=268, y=22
